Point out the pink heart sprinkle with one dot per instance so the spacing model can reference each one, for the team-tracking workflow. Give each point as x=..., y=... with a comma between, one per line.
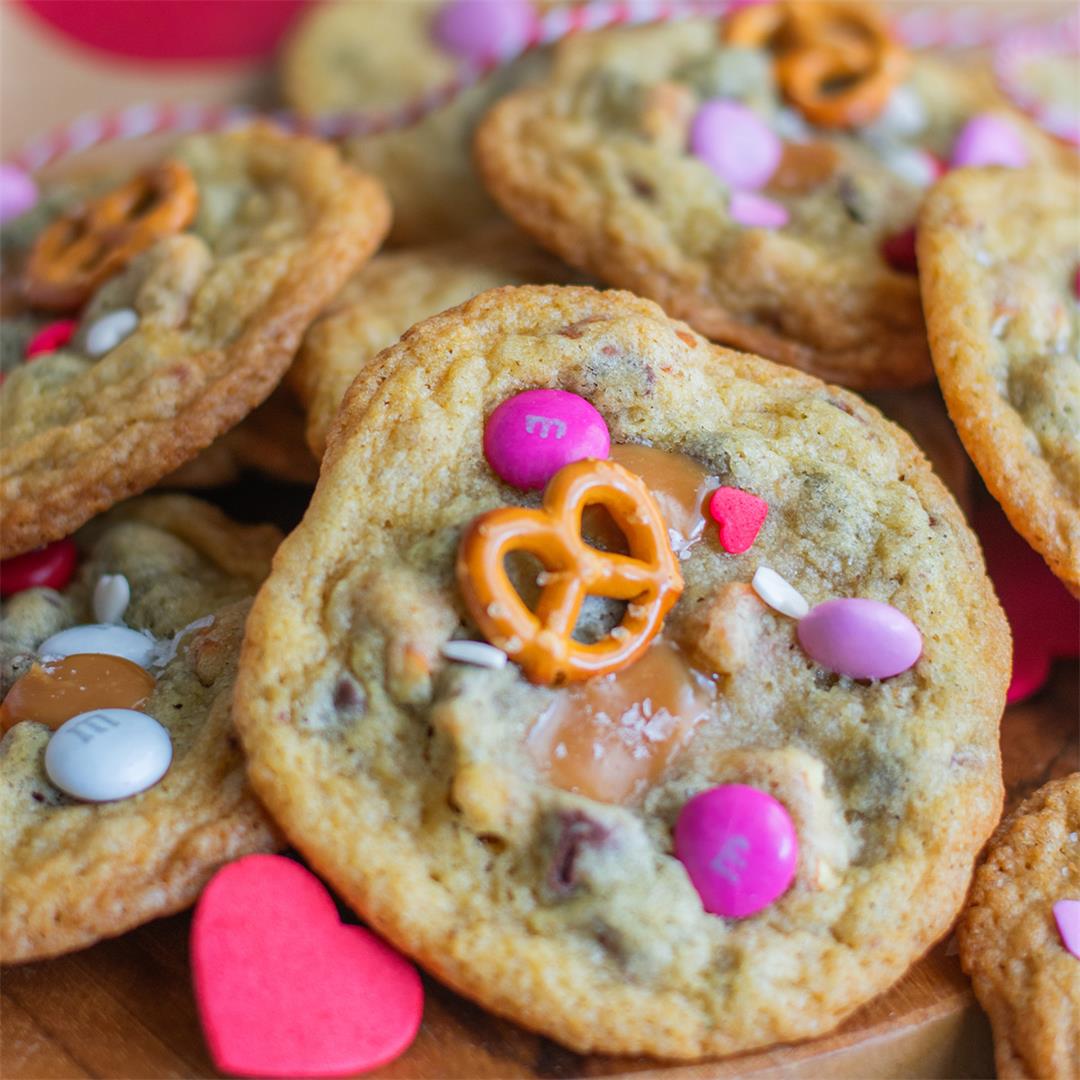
x=1067, y=917
x=284, y=988
x=740, y=516
x=756, y=211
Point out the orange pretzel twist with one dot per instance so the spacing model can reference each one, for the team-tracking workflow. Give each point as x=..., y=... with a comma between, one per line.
x=83, y=249
x=542, y=643
x=836, y=62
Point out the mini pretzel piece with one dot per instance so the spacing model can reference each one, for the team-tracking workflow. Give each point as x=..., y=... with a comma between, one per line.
x=79, y=252
x=542, y=642
x=836, y=62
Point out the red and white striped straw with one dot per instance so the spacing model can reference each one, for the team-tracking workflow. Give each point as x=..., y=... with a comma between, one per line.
x=932, y=26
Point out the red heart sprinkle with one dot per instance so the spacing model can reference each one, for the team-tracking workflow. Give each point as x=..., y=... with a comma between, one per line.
x=284, y=988
x=740, y=516
x=46, y=567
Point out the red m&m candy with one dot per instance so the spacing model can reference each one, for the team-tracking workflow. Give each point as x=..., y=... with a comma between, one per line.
x=739, y=847
x=49, y=567
x=50, y=338
x=532, y=435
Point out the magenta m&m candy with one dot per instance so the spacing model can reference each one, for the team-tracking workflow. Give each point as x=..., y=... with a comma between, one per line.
x=46, y=567
x=480, y=30
x=18, y=192
x=736, y=144
x=532, y=435
x=863, y=639
x=987, y=139
x=51, y=337
x=756, y=211
x=739, y=847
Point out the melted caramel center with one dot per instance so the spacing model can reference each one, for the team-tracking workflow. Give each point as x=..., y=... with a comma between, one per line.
x=57, y=690
x=680, y=486
x=611, y=738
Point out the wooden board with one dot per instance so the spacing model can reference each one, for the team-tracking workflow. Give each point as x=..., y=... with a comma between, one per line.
x=124, y=1008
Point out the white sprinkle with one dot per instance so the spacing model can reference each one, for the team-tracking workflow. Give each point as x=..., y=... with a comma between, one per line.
x=778, y=593
x=560, y=750
x=477, y=653
x=1073, y=837
x=112, y=594
x=107, y=332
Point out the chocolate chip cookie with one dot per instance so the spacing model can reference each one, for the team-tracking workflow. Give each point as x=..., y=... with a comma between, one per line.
x=999, y=255
x=183, y=293
x=679, y=162
x=1025, y=975
x=155, y=611
x=550, y=844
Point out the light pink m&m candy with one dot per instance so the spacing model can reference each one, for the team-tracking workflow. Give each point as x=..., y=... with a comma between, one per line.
x=739, y=847
x=756, y=211
x=18, y=192
x=863, y=639
x=480, y=30
x=532, y=435
x=735, y=144
x=987, y=139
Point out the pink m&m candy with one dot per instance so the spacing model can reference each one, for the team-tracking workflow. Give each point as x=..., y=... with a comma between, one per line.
x=756, y=211
x=532, y=435
x=863, y=639
x=735, y=144
x=18, y=192
x=987, y=139
x=50, y=338
x=482, y=30
x=51, y=567
x=1067, y=917
x=739, y=847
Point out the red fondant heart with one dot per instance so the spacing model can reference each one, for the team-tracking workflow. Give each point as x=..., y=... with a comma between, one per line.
x=740, y=516
x=284, y=988
x=1044, y=617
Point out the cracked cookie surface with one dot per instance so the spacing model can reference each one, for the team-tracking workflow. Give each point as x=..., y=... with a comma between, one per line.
x=422, y=789
x=76, y=872
x=999, y=252
x=221, y=307
x=1024, y=977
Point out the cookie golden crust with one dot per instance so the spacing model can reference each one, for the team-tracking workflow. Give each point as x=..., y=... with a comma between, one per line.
x=76, y=872
x=394, y=291
x=380, y=54
x=595, y=164
x=405, y=778
x=998, y=251
x=281, y=224
x=1024, y=977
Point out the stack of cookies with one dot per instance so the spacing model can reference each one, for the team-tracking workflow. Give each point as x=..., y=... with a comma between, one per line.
x=628, y=670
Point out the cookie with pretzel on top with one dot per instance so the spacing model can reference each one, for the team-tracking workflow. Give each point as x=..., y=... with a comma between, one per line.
x=759, y=176
x=606, y=658
x=156, y=313
x=122, y=783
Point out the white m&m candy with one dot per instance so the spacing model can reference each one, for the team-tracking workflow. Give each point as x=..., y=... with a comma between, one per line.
x=106, y=638
x=107, y=332
x=108, y=754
